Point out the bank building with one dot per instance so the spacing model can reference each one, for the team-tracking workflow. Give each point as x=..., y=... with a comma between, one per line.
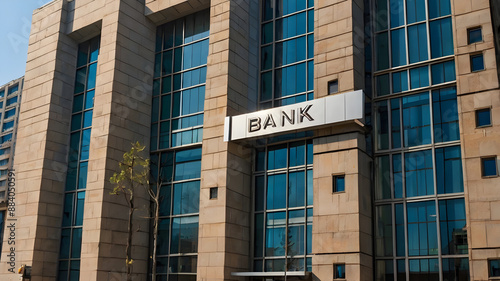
x=297, y=139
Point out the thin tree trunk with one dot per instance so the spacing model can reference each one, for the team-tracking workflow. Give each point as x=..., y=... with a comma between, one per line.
x=129, y=238
x=155, y=232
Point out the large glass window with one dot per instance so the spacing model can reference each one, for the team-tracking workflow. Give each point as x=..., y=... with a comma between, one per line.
x=287, y=51
x=283, y=207
x=177, y=248
x=76, y=177
x=177, y=120
x=179, y=82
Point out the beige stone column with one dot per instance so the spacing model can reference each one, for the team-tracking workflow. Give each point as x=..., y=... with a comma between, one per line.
x=342, y=228
x=224, y=234
x=478, y=90
x=42, y=145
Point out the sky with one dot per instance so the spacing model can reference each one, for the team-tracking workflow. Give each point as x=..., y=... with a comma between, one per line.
x=15, y=25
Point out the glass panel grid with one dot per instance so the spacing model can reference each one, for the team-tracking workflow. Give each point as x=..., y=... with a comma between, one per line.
x=178, y=172
x=283, y=207
x=287, y=51
x=76, y=177
x=179, y=82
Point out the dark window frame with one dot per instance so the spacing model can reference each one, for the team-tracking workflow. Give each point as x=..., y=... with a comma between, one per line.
x=473, y=56
x=471, y=29
x=335, y=275
x=477, y=119
x=491, y=157
x=334, y=183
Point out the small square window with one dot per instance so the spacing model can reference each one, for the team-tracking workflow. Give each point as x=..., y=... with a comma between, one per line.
x=339, y=183
x=489, y=166
x=333, y=87
x=214, y=192
x=494, y=266
x=483, y=117
x=339, y=271
x=474, y=35
x=476, y=62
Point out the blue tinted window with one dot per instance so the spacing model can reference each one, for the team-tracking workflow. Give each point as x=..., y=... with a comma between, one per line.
x=8, y=126
x=475, y=35
x=384, y=231
x=10, y=113
x=415, y=10
x=276, y=191
x=441, y=36
x=339, y=271
x=453, y=227
x=443, y=72
x=417, y=43
x=11, y=101
x=382, y=125
x=483, y=117
x=400, y=230
x=398, y=47
x=380, y=14
x=426, y=269
x=419, y=178
x=184, y=235
x=445, y=114
x=397, y=174
x=449, y=177
x=382, y=47
x=494, y=268
x=422, y=229
x=339, y=183
x=439, y=8
x=397, y=13
x=476, y=62
x=489, y=166
x=186, y=197
x=276, y=157
x=13, y=89
x=383, y=85
x=275, y=229
x=456, y=269
x=395, y=123
x=400, y=81
x=291, y=26
x=416, y=120
x=419, y=77
x=383, y=180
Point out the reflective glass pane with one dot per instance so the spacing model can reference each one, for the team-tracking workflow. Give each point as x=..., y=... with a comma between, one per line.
x=276, y=191
x=476, y=63
x=400, y=230
x=82, y=175
x=416, y=120
x=80, y=203
x=397, y=175
x=483, y=117
x=296, y=189
x=382, y=50
x=415, y=10
x=395, y=123
x=456, y=269
x=398, y=47
x=186, y=197
x=382, y=179
x=422, y=229
x=91, y=76
x=397, y=13
x=453, y=227
x=65, y=243
x=382, y=128
x=419, y=77
x=383, y=85
x=383, y=231
x=277, y=157
x=384, y=270
x=400, y=81
x=68, y=209
x=259, y=235
x=439, y=8
x=424, y=269
x=441, y=37
x=89, y=99
x=184, y=235
x=445, y=115
x=419, y=178
x=76, y=243
x=163, y=237
x=275, y=234
x=417, y=43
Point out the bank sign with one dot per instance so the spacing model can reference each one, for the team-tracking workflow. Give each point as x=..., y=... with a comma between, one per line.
x=309, y=114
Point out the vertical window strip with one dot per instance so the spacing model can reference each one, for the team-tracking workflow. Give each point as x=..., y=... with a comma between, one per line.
x=287, y=52
x=179, y=82
x=283, y=207
x=76, y=178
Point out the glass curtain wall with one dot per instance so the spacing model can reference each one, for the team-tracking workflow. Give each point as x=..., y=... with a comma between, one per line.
x=283, y=207
x=76, y=178
x=287, y=51
x=176, y=135
x=420, y=228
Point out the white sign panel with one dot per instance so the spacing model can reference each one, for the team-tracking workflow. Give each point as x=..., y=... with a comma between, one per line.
x=309, y=114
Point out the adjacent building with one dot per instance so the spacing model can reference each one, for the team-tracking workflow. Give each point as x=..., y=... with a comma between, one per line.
x=293, y=139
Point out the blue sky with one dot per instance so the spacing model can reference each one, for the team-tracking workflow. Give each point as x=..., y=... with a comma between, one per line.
x=15, y=25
